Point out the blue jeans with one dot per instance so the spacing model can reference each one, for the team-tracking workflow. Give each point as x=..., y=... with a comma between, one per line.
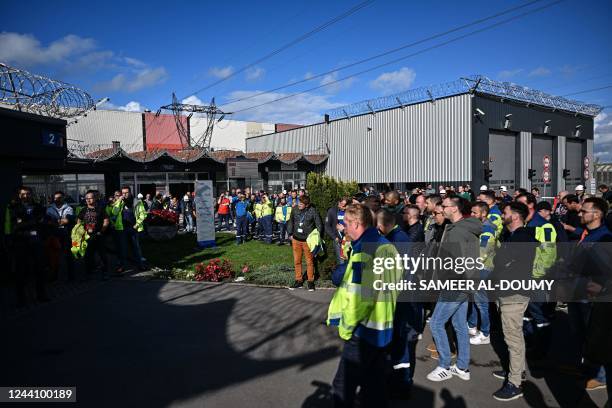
x=457, y=311
x=189, y=222
x=282, y=232
x=361, y=365
x=241, y=229
x=481, y=302
x=266, y=222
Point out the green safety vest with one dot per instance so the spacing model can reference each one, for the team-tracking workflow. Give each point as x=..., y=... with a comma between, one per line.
x=79, y=237
x=115, y=213
x=488, y=244
x=279, y=214
x=258, y=210
x=267, y=208
x=546, y=252
x=356, y=307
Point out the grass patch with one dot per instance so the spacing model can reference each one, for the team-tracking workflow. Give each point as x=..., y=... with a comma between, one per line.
x=268, y=264
x=183, y=252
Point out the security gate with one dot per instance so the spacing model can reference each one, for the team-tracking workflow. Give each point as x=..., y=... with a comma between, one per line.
x=573, y=163
x=502, y=152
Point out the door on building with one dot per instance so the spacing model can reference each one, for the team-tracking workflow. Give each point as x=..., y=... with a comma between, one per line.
x=542, y=147
x=573, y=163
x=179, y=189
x=145, y=189
x=502, y=152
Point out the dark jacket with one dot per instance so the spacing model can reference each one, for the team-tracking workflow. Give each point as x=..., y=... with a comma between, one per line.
x=398, y=211
x=415, y=232
x=303, y=222
x=572, y=218
x=331, y=221
x=514, y=258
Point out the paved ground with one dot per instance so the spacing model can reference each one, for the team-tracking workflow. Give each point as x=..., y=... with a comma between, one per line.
x=138, y=343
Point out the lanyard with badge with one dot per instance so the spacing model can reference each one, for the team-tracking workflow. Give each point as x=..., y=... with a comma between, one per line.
x=301, y=223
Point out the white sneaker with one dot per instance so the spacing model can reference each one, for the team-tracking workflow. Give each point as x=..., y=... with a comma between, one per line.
x=480, y=339
x=473, y=331
x=463, y=374
x=440, y=374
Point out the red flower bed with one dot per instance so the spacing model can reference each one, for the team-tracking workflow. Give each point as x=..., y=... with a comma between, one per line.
x=162, y=218
x=215, y=271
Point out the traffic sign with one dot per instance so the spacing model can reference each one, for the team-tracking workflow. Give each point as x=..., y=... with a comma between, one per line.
x=546, y=176
x=587, y=174
x=546, y=161
x=587, y=162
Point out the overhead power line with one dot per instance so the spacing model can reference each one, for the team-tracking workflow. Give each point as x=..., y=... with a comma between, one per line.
x=385, y=53
x=376, y=67
x=589, y=90
x=289, y=44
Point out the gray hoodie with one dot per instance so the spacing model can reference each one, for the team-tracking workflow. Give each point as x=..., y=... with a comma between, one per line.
x=462, y=240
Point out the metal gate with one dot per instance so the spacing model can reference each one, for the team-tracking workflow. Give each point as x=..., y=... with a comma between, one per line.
x=573, y=163
x=502, y=150
x=542, y=146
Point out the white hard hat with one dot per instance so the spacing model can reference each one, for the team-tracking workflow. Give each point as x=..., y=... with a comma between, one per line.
x=503, y=188
x=140, y=196
x=579, y=187
x=484, y=188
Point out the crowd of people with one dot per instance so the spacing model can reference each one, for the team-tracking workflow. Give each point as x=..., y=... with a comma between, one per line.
x=518, y=236
x=41, y=242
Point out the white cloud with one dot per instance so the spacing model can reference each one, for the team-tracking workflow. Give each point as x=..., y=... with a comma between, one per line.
x=396, y=81
x=308, y=75
x=26, y=50
x=192, y=100
x=603, y=138
x=132, y=82
x=331, y=86
x=255, y=73
x=132, y=106
x=302, y=109
x=509, y=73
x=539, y=72
x=221, y=72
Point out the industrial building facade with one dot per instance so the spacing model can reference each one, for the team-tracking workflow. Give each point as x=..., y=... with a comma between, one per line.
x=453, y=135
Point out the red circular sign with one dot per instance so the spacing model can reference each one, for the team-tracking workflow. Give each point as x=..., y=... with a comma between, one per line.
x=546, y=161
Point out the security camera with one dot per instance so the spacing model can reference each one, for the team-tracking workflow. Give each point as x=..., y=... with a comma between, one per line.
x=480, y=112
x=509, y=116
x=547, y=122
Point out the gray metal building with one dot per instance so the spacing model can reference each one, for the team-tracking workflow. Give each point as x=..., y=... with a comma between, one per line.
x=452, y=133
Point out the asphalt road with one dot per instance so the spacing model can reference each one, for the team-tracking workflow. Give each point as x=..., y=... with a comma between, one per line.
x=137, y=343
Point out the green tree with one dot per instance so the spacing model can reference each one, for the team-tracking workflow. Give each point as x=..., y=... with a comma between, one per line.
x=325, y=192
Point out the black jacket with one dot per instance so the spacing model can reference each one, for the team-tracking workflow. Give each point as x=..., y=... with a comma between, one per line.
x=415, y=232
x=514, y=258
x=302, y=223
x=331, y=221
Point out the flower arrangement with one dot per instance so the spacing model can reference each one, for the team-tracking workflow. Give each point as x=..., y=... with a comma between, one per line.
x=162, y=218
x=215, y=271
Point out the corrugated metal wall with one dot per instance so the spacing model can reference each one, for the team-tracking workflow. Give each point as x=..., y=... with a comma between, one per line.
x=525, y=146
x=229, y=134
x=101, y=127
x=426, y=142
x=561, y=159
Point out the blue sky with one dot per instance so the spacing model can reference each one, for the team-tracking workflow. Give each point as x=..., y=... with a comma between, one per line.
x=138, y=53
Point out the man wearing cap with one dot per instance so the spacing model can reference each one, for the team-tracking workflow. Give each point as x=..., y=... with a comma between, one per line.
x=571, y=219
x=504, y=194
x=580, y=192
x=484, y=188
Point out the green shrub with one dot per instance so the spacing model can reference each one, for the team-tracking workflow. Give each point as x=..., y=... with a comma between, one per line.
x=325, y=192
